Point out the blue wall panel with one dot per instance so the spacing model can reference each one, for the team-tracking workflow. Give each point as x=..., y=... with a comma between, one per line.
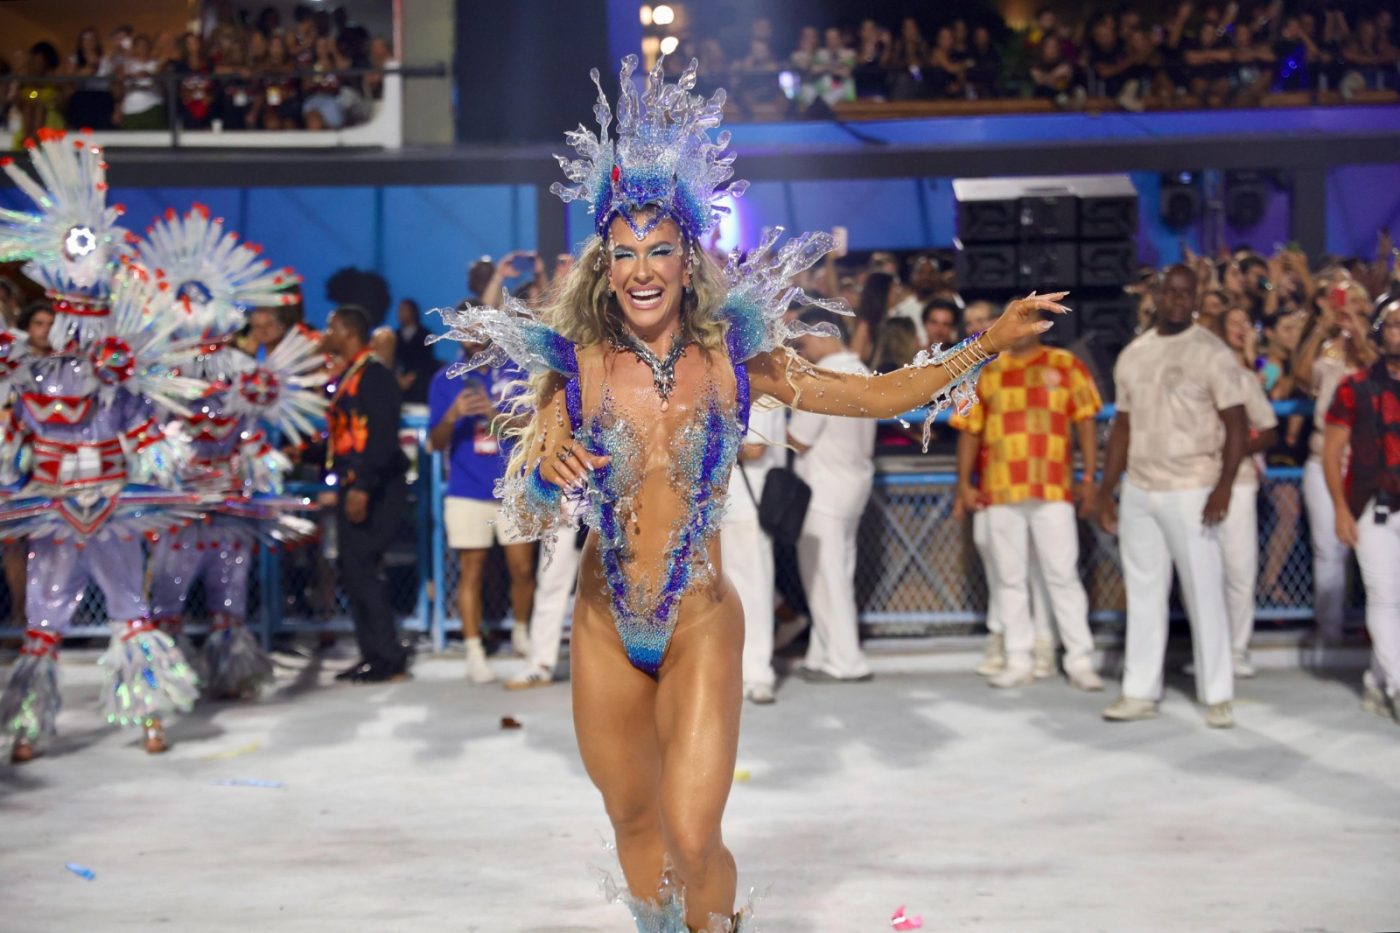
x=1361, y=200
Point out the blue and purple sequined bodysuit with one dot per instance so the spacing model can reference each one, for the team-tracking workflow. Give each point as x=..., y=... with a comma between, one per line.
x=656, y=507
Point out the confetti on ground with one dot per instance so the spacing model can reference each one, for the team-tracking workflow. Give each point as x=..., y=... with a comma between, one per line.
x=742, y=775
x=82, y=871
x=233, y=752
x=902, y=921
x=247, y=782
x=510, y=722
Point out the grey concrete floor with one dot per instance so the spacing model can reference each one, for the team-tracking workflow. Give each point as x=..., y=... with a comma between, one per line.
x=407, y=807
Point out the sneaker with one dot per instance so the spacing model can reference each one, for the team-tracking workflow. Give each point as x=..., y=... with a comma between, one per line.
x=1220, y=716
x=1244, y=667
x=1082, y=676
x=993, y=655
x=1015, y=675
x=478, y=668
x=1130, y=709
x=520, y=640
x=759, y=694
x=814, y=676
x=1373, y=698
x=533, y=676
x=1043, y=659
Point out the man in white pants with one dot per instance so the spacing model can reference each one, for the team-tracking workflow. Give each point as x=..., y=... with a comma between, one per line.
x=746, y=550
x=1239, y=533
x=836, y=457
x=994, y=653
x=1180, y=432
x=1033, y=398
x=1365, y=414
x=554, y=584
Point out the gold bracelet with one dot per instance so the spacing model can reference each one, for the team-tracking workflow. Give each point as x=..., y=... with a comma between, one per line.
x=965, y=360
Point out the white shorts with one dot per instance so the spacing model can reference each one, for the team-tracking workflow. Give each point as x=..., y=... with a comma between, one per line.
x=473, y=524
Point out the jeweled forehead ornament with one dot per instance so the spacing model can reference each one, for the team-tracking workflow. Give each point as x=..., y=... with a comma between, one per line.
x=664, y=161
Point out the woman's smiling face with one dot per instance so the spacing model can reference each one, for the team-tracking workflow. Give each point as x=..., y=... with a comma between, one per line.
x=647, y=275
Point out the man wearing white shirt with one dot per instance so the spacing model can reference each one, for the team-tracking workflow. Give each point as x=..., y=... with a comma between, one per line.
x=746, y=550
x=1180, y=433
x=923, y=282
x=836, y=457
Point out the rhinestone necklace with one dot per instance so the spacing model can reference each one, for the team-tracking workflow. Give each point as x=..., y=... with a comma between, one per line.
x=663, y=371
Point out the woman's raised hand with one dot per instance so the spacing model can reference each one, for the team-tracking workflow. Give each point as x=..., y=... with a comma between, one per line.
x=567, y=464
x=1022, y=319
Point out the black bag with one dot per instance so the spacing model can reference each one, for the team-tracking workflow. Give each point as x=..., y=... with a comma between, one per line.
x=784, y=505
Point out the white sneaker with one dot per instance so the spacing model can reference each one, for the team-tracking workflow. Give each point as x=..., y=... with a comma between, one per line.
x=478, y=668
x=1082, y=676
x=533, y=676
x=1015, y=675
x=1220, y=716
x=1043, y=659
x=1244, y=667
x=993, y=655
x=1374, y=700
x=760, y=694
x=520, y=640
x=1130, y=709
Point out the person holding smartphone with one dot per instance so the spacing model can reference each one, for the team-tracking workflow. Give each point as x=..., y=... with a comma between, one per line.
x=462, y=422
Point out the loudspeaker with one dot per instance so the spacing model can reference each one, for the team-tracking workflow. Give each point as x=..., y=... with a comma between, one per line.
x=1107, y=324
x=994, y=220
x=987, y=267
x=1049, y=215
x=1047, y=266
x=1106, y=214
x=1107, y=264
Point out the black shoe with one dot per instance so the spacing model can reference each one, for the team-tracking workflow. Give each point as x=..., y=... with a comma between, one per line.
x=354, y=671
x=379, y=674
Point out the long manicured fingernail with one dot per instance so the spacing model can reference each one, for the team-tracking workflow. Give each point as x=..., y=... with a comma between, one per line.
x=1042, y=326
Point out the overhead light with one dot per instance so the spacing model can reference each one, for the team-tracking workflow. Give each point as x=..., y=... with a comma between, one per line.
x=668, y=45
x=663, y=15
x=646, y=16
x=651, y=46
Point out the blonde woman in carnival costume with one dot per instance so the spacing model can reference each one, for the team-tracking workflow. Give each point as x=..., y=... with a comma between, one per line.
x=644, y=364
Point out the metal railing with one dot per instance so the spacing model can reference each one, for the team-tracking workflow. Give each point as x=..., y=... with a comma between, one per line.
x=917, y=572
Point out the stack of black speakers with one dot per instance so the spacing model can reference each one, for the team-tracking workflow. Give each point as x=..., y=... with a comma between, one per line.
x=1071, y=233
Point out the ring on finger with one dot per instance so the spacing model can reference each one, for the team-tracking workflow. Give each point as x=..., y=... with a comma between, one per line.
x=563, y=454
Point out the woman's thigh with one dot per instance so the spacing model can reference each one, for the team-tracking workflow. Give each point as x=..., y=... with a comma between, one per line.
x=614, y=717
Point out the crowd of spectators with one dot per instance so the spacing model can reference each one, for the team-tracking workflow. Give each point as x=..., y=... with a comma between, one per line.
x=241, y=73
x=1208, y=54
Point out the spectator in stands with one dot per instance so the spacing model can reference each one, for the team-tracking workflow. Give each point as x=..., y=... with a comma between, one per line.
x=369, y=467
x=803, y=60
x=833, y=66
x=116, y=51
x=984, y=64
x=978, y=316
x=945, y=72
x=197, y=95
x=38, y=104
x=836, y=459
x=1241, y=337
x=36, y=321
x=1361, y=459
x=871, y=74
x=1260, y=296
x=1282, y=336
x=91, y=104
x=896, y=345
x=1336, y=349
x=142, y=104
x=1297, y=56
x=414, y=363
x=281, y=90
x=257, y=51
x=322, y=108
x=906, y=61
x=1180, y=432
x=381, y=55
x=266, y=329
x=239, y=103
x=940, y=320
x=1033, y=398
x=924, y=283
x=384, y=344
x=1054, y=76
x=1209, y=60
x=870, y=312
x=1253, y=71
x=463, y=422
x=746, y=550
x=1369, y=59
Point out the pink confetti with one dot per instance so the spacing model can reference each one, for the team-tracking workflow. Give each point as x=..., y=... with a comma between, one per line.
x=902, y=921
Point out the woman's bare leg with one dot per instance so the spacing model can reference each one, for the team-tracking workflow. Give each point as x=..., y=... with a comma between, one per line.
x=699, y=698
x=615, y=721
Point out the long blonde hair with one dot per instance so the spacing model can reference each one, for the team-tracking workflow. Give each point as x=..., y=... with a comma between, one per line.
x=579, y=308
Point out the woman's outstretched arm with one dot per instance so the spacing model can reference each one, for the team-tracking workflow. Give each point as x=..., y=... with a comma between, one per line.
x=810, y=388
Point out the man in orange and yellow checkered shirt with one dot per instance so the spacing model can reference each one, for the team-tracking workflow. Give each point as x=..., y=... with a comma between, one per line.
x=1033, y=397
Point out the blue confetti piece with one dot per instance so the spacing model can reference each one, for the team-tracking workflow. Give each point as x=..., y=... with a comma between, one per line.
x=247, y=782
x=82, y=871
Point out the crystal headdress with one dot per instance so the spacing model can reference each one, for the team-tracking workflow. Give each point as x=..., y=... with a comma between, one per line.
x=73, y=237
x=663, y=157
x=214, y=277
